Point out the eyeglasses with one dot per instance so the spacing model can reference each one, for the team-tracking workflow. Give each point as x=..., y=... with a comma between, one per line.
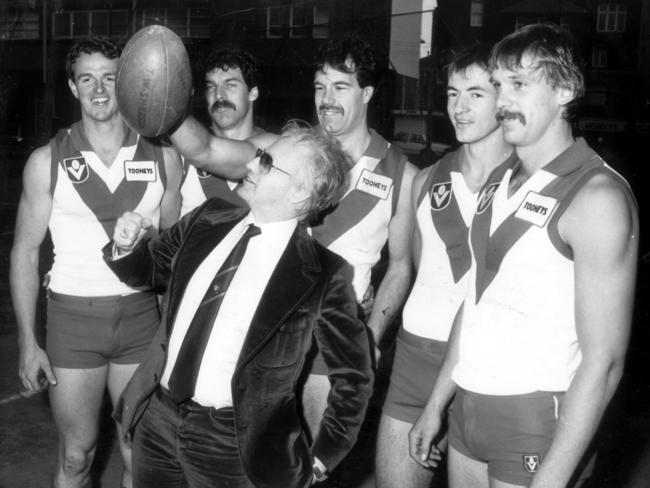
x=266, y=161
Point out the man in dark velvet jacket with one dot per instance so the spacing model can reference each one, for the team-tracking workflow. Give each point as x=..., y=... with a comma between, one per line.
x=240, y=425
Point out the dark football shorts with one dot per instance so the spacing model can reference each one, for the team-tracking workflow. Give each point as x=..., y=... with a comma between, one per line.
x=511, y=433
x=415, y=369
x=89, y=332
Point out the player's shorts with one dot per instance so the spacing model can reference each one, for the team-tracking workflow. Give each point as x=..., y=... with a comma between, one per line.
x=511, y=433
x=415, y=369
x=89, y=332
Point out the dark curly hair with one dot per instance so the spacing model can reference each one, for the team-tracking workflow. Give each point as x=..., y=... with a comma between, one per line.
x=232, y=57
x=351, y=55
x=90, y=45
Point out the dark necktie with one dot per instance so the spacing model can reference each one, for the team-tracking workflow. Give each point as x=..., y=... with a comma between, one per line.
x=186, y=369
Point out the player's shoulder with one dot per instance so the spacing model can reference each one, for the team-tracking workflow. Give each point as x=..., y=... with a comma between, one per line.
x=40, y=159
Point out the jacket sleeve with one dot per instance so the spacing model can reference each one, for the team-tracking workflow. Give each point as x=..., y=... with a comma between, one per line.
x=149, y=265
x=344, y=343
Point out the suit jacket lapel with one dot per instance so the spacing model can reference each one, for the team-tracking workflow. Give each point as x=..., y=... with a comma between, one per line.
x=290, y=284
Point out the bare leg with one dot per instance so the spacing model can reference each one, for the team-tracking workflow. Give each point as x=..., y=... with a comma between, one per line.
x=393, y=465
x=118, y=376
x=465, y=472
x=76, y=402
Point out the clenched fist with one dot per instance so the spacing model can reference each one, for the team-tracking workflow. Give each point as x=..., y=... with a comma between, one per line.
x=130, y=228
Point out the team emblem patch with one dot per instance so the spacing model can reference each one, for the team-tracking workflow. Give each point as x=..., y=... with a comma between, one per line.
x=536, y=209
x=76, y=169
x=202, y=173
x=531, y=463
x=487, y=195
x=440, y=196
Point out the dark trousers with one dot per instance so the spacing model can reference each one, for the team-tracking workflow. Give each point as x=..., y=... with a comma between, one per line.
x=187, y=445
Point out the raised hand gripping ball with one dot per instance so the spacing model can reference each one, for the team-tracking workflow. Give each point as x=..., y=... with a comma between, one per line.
x=154, y=81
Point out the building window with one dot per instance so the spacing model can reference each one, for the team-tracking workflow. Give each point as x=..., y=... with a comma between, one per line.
x=612, y=17
x=321, y=23
x=476, y=14
x=84, y=23
x=599, y=57
x=186, y=22
x=277, y=18
x=26, y=25
x=300, y=19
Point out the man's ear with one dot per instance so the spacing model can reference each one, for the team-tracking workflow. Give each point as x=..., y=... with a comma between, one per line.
x=566, y=94
x=73, y=88
x=253, y=94
x=298, y=195
x=368, y=92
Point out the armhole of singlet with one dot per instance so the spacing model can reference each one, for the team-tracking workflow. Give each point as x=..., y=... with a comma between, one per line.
x=553, y=232
x=160, y=156
x=54, y=165
x=395, y=158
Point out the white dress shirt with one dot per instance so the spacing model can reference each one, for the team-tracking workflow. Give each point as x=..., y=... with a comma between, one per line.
x=237, y=308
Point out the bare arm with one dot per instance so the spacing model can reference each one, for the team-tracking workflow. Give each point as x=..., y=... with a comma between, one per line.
x=395, y=284
x=428, y=425
x=601, y=226
x=170, y=205
x=31, y=225
x=224, y=157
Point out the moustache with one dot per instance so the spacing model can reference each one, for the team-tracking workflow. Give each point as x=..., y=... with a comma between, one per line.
x=222, y=104
x=506, y=115
x=332, y=108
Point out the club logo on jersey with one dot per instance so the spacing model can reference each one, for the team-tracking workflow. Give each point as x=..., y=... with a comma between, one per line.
x=140, y=171
x=487, y=195
x=531, y=463
x=202, y=173
x=440, y=196
x=536, y=209
x=76, y=169
x=374, y=184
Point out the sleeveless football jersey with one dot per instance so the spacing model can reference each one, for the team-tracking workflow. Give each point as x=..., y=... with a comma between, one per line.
x=445, y=208
x=357, y=227
x=199, y=185
x=87, y=199
x=519, y=333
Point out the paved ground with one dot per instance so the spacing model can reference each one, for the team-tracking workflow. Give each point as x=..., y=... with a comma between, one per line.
x=28, y=438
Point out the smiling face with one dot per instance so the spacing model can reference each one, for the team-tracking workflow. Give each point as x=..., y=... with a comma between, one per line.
x=471, y=104
x=229, y=100
x=341, y=103
x=529, y=106
x=94, y=86
x=275, y=192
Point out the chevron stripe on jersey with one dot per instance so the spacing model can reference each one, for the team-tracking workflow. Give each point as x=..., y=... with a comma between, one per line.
x=87, y=199
x=568, y=173
x=440, y=285
x=199, y=185
x=105, y=201
x=446, y=215
x=356, y=204
x=357, y=227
